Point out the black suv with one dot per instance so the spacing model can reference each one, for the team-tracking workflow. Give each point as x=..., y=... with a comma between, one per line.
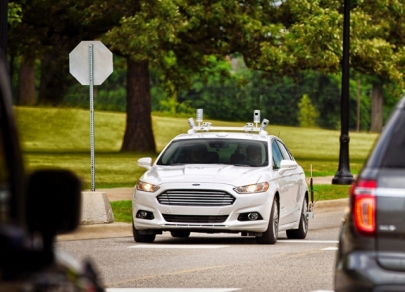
x=371, y=253
x=33, y=210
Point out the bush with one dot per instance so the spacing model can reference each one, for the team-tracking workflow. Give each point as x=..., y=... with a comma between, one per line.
x=307, y=113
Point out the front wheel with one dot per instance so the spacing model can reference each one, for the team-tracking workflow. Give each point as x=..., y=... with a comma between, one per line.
x=138, y=237
x=270, y=235
x=302, y=230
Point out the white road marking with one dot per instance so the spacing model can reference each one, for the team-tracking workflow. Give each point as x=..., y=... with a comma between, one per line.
x=307, y=241
x=196, y=246
x=330, y=248
x=171, y=289
x=176, y=246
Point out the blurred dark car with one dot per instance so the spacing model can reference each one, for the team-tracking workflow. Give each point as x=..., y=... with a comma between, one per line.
x=371, y=253
x=33, y=210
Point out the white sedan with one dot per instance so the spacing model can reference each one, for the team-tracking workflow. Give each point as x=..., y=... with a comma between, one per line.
x=222, y=179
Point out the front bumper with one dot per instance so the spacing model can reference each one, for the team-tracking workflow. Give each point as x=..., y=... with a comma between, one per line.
x=243, y=203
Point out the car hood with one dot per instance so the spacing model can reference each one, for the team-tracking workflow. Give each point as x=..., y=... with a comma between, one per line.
x=226, y=174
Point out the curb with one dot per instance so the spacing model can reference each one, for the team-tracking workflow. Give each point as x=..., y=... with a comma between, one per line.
x=332, y=203
x=98, y=231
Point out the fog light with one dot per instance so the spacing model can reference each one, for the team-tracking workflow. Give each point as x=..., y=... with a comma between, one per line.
x=142, y=214
x=253, y=216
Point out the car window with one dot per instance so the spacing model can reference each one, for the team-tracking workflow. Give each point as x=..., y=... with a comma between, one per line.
x=395, y=157
x=210, y=151
x=283, y=149
x=277, y=156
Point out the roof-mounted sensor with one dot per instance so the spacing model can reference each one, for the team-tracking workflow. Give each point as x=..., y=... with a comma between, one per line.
x=207, y=126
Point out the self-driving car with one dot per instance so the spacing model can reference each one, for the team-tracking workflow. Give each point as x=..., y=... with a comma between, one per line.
x=222, y=180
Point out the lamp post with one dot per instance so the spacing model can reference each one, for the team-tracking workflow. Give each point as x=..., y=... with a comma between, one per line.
x=343, y=175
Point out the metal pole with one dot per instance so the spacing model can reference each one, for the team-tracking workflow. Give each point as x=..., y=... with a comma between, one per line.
x=91, y=116
x=343, y=176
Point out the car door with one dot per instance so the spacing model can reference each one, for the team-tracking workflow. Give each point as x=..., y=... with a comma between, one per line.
x=286, y=200
x=294, y=177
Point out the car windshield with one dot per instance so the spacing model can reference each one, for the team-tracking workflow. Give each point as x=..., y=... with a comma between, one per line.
x=211, y=151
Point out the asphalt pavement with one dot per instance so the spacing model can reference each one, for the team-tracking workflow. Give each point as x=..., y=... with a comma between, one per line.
x=121, y=229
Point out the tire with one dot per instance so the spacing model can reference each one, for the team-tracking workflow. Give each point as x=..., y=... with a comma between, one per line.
x=270, y=235
x=180, y=233
x=138, y=237
x=302, y=230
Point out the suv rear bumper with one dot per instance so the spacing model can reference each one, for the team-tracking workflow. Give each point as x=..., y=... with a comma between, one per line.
x=360, y=271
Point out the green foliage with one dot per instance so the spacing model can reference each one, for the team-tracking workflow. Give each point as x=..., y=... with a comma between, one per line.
x=307, y=113
x=227, y=90
x=298, y=43
x=14, y=13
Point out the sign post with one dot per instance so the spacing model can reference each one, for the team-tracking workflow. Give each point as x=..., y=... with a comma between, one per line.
x=91, y=63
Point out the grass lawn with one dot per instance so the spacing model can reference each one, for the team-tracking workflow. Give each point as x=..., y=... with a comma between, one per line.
x=60, y=138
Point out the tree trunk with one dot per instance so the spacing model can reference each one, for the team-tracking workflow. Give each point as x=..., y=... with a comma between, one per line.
x=376, y=109
x=27, y=94
x=138, y=133
x=358, y=106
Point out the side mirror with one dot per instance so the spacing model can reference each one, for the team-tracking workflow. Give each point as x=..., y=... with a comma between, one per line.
x=287, y=165
x=145, y=162
x=53, y=202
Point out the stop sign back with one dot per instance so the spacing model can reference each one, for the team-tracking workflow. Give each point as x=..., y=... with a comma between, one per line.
x=79, y=62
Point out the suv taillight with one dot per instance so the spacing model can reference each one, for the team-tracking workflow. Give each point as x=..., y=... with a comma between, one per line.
x=363, y=199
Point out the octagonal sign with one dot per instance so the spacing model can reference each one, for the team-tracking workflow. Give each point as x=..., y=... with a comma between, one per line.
x=79, y=62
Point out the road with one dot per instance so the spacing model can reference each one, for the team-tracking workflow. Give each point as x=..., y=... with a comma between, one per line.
x=217, y=262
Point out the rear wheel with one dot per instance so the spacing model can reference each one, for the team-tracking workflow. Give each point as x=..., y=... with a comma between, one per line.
x=138, y=237
x=270, y=235
x=180, y=233
x=302, y=230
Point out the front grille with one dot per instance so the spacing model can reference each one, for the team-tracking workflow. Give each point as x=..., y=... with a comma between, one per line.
x=194, y=218
x=196, y=198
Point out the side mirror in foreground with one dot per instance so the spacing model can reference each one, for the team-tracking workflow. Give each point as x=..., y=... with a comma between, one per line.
x=53, y=203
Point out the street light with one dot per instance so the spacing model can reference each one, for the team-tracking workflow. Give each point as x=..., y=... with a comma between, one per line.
x=343, y=175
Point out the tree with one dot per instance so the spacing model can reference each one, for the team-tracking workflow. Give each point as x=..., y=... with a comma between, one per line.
x=308, y=35
x=49, y=30
x=308, y=114
x=177, y=37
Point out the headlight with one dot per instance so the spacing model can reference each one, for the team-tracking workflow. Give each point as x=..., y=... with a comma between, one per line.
x=146, y=187
x=256, y=188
